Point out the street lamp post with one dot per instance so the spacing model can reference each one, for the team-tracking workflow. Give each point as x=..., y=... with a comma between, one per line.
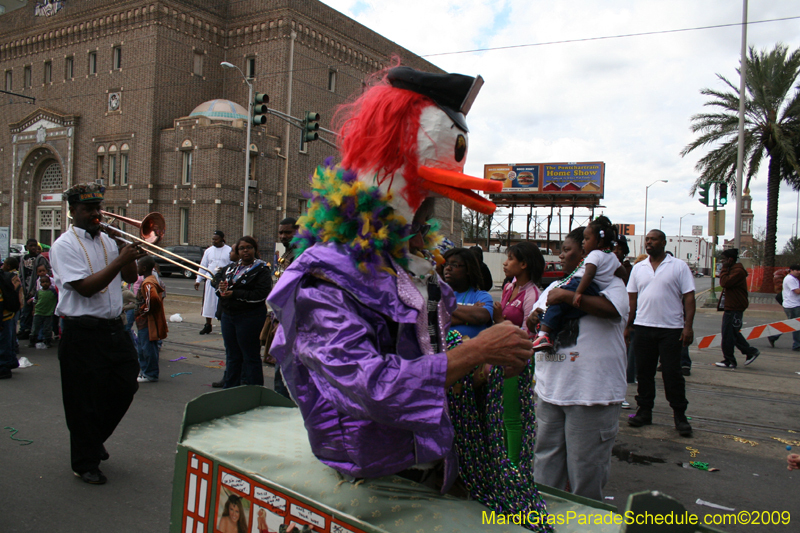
x=249, y=83
x=680, y=235
x=646, y=190
x=660, y=221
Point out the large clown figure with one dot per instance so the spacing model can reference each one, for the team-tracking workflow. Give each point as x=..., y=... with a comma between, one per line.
x=363, y=314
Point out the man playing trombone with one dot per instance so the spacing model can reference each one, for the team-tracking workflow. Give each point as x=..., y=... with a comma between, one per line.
x=99, y=364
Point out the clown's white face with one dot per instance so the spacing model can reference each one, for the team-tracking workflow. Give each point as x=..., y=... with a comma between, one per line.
x=442, y=145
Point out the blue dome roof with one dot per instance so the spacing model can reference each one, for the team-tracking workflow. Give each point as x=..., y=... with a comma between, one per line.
x=220, y=110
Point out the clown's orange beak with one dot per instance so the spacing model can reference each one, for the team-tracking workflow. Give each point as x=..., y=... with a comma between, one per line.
x=458, y=187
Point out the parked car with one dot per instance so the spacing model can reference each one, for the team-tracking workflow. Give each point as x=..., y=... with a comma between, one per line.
x=17, y=250
x=553, y=271
x=192, y=253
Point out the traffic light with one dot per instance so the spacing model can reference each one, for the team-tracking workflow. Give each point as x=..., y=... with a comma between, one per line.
x=310, y=126
x=260, y=101
x=703, y=189
x=723, y=194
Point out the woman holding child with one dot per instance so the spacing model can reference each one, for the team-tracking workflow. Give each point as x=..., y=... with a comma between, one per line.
x=580, y=381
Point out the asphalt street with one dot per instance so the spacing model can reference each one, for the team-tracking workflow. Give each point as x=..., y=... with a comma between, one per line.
x=757, y=403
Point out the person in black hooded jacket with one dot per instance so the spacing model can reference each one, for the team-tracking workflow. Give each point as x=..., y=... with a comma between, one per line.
x=242, y=291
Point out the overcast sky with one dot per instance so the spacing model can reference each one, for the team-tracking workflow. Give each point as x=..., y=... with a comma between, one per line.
x=624, y=101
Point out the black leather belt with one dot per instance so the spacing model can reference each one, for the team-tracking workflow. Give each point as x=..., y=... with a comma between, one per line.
x=94, y=322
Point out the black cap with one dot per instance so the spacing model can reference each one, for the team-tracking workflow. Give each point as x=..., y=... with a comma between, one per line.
x=731, y=252
x=453, y=93
x=220, y=234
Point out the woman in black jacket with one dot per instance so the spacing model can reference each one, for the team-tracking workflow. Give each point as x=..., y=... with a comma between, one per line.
x=242, y=291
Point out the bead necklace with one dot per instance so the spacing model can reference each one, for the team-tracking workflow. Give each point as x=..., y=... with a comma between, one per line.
x=569, y=277
x=483, y=463
x=86, y=253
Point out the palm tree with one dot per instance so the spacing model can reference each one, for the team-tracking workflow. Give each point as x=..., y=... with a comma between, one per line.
x=772, y=130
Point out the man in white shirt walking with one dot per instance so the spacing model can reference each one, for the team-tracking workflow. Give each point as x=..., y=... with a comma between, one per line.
x=791, y=303
x=99, y=364
x=662, y=307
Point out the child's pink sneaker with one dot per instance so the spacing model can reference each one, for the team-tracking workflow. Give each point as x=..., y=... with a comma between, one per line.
x=542, y=342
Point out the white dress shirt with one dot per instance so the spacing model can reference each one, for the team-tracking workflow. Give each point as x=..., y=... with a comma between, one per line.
x=69, y=263
x=659, y=303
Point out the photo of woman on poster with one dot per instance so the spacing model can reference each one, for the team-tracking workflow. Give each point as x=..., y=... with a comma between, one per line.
x=234, y=517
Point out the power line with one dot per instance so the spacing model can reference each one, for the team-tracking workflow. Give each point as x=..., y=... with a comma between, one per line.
x=607, y=37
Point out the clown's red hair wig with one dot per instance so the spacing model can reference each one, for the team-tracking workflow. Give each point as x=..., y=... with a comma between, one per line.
x=378, y=132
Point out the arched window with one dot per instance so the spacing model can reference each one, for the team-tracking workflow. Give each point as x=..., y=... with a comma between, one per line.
x=51, y=178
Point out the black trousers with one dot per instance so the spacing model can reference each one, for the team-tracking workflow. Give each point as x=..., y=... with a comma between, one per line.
x=650, y=345
x=99, y=367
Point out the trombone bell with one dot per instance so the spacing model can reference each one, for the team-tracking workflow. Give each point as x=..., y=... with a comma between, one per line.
x=151, y=229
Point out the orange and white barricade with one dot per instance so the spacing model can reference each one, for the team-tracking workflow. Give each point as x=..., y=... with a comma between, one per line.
x=758, y=332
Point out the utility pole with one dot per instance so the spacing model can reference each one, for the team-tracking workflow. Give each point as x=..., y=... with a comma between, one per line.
x=712, y=300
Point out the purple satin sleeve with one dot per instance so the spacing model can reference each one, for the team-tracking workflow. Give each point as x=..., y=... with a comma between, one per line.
x=342, y=349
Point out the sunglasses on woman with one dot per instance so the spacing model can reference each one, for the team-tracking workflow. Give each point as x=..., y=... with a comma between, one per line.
x=422, y=229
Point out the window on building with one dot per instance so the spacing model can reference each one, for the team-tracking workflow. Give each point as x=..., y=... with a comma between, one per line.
x=116, y=60
x=92, y=63
x=197, y=68
x=251, y=67
x=48, y=224
x=332, y=81
x=69, y=68
x=9, y=81
x=27, y=77
x=184, y=225
x=187, y=168
x=253, y=164
x=100, y=167
x=122, y=211
x=123, y=169
x=112, y=168
x=51, y=178
x=48, y=72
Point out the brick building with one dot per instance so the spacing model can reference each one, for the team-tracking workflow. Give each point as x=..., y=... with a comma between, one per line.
x=132, y=92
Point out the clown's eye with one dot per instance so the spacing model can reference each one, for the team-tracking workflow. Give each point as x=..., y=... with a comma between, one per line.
x=461, y=148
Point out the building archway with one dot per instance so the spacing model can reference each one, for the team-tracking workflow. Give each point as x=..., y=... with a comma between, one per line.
x=42, y=183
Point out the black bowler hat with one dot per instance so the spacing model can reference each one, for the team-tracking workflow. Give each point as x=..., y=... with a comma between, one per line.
x=453, y=93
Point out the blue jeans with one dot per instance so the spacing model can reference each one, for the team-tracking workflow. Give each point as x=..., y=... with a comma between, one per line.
x=42, y=324
x=14, y=341
x=148, y=355
x=791, y=312
x=25, y=317
x=557, y=315
x=8, y=361
x=130, y=318
x=243, y=347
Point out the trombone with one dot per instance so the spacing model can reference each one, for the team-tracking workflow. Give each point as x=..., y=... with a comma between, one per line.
x=151, y=229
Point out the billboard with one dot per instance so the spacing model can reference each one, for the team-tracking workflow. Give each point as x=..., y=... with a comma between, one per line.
x=560, y=179
x=625, y=229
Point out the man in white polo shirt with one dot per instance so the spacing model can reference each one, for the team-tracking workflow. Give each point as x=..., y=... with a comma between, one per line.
x=99, y=363
x=662, y=306
x=791, y=303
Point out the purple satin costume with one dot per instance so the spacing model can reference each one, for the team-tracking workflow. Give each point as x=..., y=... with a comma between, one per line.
x=356, y=355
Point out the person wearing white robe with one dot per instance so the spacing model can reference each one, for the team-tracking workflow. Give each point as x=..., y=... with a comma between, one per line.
x=214, y=258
